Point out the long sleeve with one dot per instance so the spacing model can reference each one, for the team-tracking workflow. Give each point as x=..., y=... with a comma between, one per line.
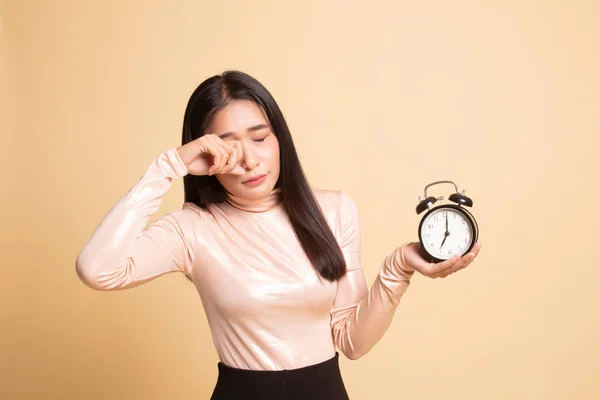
x=360, y=317
x=122, y=252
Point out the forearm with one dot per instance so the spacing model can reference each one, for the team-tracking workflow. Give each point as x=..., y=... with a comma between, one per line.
x=106, y=260
x=359, y=326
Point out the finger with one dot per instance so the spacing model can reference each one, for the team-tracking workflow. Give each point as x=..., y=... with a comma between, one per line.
x=463, y=262
x=444, y=267
x=476, y=248
x=239, y=169
x=446, y=272
x=208, y=149
x=469, y=257
x=223, y=161
x=466, y=260
x=216, y=163
x=229, y=160
x=219, y=158
x=451, y=270
x=232, y=149
x=224, y=150
x=234, y=157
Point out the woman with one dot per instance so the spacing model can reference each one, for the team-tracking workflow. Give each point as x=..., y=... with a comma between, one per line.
x=276, y=262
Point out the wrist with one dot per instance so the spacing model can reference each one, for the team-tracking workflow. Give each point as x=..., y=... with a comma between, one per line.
x=404, y=267
x=178, y=161
x=181, y=154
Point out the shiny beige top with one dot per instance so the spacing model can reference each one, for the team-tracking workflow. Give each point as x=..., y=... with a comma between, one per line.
x=267, y=307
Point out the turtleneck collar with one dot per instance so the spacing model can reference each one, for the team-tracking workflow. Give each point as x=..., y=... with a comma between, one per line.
x=271, y=201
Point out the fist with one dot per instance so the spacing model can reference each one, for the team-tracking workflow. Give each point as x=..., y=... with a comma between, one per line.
x=209, y=155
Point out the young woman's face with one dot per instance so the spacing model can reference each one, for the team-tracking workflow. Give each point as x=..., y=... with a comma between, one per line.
x=245, y=122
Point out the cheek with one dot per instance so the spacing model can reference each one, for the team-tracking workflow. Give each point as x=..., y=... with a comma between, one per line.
x=227, y=181
x=273, y=155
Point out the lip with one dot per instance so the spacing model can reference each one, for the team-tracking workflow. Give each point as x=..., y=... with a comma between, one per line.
x=256, y=180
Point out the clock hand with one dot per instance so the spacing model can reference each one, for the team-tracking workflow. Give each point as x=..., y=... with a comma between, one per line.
x=443, y=241
x=447, y=233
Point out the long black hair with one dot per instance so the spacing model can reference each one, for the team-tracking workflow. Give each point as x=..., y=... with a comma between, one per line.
x=305, y=214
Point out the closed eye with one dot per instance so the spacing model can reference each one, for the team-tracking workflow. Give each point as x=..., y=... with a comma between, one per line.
x=261, y=140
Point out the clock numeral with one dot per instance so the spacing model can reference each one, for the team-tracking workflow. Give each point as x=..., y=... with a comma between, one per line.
x=436, y=218
x=426, y=236
x=449, y=252
x=466, y=240
x=429, y=226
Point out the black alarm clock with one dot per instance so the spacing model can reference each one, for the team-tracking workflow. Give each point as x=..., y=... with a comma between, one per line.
x=446, y=229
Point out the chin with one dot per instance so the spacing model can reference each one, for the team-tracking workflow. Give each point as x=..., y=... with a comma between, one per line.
x=258, y=191
x=251, y=192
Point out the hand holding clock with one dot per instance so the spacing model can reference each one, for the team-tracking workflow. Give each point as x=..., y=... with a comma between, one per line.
x=461, y=249
x=414, y=259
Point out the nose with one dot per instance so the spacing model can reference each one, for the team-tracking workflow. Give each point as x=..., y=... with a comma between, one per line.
x=249, y=161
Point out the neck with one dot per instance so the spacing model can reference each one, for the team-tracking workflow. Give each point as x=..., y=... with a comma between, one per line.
x=269, y=202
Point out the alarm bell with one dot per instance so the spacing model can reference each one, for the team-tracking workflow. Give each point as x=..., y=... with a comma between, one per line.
x=427, y=201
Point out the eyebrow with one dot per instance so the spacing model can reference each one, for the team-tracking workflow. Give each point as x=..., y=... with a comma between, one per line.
x=251, y=129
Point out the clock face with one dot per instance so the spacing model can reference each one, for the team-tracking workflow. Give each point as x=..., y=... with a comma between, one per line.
x=446, y=232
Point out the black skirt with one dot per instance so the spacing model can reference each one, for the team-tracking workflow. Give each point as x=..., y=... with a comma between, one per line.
x=322, y=381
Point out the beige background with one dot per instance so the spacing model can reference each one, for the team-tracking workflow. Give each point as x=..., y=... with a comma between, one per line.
x=383, y=97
